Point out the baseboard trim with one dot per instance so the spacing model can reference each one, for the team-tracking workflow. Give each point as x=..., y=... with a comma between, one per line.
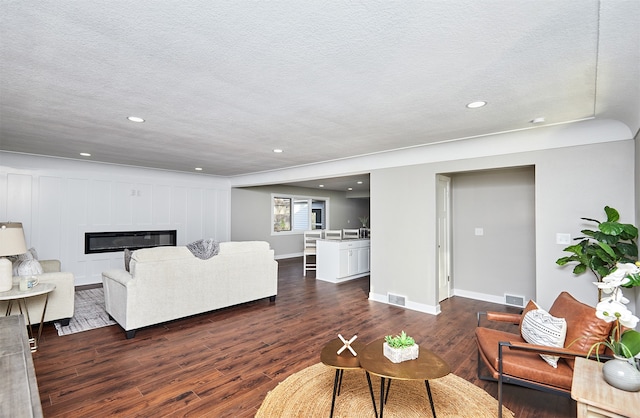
x=285, y=256
x=479, y=296
x=420, y=307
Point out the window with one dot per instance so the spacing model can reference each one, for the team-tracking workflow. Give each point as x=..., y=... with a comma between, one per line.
x=295, y=214
x=281, y=214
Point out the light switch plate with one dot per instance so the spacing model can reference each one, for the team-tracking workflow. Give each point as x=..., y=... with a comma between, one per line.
x=564, y=239
x=479, y=231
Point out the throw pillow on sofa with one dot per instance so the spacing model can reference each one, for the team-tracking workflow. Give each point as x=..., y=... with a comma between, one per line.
x=127, y=259
x=541, y=328
x=27, y=264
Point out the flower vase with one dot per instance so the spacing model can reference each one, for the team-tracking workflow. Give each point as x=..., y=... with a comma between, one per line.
x=622, y=373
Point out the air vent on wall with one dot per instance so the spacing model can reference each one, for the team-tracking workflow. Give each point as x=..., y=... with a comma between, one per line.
x=396, y=299
x=514, y=300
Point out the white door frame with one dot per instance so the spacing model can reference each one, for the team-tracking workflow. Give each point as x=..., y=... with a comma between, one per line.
x=443, y=214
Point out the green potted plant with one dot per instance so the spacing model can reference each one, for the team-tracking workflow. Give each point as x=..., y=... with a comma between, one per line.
x=602, y=249
x=400, y=348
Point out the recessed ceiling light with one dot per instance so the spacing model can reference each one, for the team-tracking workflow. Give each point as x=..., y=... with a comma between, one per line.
x=537, y=120
x=321, y=185
x=350, y=188
x=85, y=154
x=475, y=105
x=135, y=119
x=278, y=151
x=198, y=168
x=360, y=182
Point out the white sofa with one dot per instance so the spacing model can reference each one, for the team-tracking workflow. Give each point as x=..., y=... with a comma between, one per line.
x=61, y=303
x=167, y=283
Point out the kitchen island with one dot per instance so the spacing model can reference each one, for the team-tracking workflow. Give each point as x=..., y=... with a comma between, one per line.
x=342, y=260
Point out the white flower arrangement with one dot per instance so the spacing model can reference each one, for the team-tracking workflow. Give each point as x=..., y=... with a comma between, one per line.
x=612, y=308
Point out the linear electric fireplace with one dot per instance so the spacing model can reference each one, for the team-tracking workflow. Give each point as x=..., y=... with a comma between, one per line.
x=108, y=242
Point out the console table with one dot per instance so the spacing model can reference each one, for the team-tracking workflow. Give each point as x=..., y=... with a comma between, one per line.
x=19, y=395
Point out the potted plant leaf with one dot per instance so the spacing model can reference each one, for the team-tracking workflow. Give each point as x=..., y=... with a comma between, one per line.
x=601, y=250
x=400, y=348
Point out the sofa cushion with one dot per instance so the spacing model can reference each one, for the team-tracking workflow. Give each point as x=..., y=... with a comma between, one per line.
x=161, y=254
x=583, y=327
x=231, y=247
x=521, y=364
x=540, y=328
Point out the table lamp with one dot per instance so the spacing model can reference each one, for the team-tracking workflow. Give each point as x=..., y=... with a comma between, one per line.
x=11, y=243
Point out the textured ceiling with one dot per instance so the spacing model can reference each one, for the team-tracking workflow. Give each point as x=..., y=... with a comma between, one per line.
x=221, y=84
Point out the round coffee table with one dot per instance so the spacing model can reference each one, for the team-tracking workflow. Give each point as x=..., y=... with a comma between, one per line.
x=341, y=362
x=20, y=296
x=427, y=366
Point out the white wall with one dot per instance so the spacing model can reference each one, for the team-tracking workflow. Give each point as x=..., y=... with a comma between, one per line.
x=251, y=215
x=58, y=200
x=570, y=182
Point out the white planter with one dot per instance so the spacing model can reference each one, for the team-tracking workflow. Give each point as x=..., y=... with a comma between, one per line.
x=398, y=355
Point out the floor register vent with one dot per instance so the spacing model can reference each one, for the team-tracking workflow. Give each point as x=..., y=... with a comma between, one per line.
x=514, y=300
x=396, y=299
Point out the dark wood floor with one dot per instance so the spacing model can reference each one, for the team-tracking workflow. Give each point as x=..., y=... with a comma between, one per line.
x=222, y=364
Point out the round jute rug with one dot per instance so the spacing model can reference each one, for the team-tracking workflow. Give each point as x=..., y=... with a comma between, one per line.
x=308, y=394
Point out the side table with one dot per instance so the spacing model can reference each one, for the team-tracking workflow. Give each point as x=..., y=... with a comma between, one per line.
x=595, y=397
x=427, y=366
x=20, y=296
x=341, y=362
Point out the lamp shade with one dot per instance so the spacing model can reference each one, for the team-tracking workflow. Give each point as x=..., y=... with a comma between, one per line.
x=12, y=239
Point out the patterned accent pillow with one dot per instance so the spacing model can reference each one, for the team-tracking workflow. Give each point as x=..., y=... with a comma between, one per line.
x=204, y=249
x=27, y=264
x=540, y=328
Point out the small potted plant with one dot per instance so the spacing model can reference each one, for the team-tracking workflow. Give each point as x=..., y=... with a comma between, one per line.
x=400, y=348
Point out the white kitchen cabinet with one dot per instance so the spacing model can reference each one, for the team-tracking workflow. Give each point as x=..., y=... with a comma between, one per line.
x=343, y=260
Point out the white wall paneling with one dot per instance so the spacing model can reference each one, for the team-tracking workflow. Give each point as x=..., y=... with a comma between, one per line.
x=123, y=203
x=58, y=201
x=161, y=204
x=48, y=228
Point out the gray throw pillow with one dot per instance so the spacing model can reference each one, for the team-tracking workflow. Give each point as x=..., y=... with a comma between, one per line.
x=27, y=264
x=127, y=258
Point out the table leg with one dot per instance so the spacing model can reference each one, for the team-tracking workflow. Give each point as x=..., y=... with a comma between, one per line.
x=386, y=397
x=44, y=310
x=9, y=306
x=433, y=409
x=34, y=339
x=373, y=399
x=381, y=397
x=335, y=390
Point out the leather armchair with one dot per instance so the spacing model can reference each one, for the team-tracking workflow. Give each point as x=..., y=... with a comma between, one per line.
x=510, y=359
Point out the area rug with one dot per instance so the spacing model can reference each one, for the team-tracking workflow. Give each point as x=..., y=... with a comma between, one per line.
x=308, y=394
x=89, y=312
